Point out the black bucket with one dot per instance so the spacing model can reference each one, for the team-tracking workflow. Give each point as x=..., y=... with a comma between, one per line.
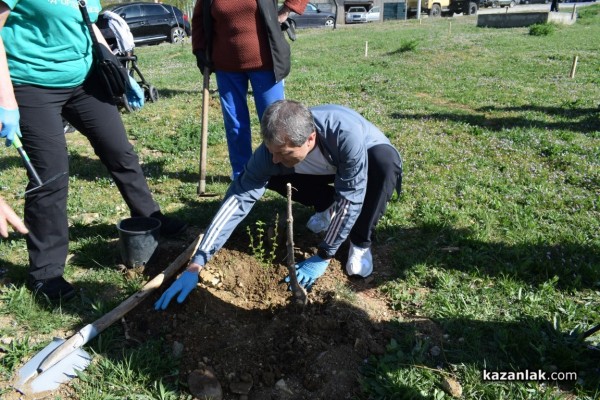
x=138, y=239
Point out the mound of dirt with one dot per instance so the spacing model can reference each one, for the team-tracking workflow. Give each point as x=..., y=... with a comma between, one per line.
x=239, y=329
x=238, y=336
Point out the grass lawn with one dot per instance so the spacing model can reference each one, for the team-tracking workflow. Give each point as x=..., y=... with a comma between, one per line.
x=495, y=241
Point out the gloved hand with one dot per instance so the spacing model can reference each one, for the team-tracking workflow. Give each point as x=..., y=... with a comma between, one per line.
x=10, y=124
x=135, y=94
x=309, y=270
x=183, y=285
x=202, y=61
x=288, y=26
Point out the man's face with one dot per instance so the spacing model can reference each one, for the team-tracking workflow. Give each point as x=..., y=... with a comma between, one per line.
x=290, y=155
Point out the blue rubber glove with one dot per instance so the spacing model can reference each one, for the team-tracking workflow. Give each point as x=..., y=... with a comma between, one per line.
x=10, y=124
x=183, y=285
x=135, y=94
x=309, y=270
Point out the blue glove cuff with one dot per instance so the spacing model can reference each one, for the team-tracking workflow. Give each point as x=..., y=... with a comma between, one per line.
x=135, y=94
x=308, y=271
x=10, y=124
x=181, y=287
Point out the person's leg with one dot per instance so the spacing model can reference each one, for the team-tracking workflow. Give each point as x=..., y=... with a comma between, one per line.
x=45, y=208
x=233, y=90
x=265, y=89
x=95, y=115
x=309, y=190
x=97, y=118
x=385, y=169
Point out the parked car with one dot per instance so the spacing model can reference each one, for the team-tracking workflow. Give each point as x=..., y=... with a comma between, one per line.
x=313, y=16
x=373, y=15
x=499, y=3
x=356, y=15
x=150, y=23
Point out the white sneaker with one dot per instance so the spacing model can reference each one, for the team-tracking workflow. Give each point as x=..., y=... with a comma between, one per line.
x=320, y=221
x=360, y=261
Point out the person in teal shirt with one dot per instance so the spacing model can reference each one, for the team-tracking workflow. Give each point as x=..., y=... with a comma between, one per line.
x=47, y=74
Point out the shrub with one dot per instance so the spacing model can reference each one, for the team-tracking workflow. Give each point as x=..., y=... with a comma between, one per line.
x=544, y=29
x=408, y=45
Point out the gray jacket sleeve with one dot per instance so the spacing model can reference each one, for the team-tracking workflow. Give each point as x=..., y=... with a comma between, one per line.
x=238, y=201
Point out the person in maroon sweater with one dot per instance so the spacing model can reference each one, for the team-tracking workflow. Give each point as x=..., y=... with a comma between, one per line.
x=242, y=41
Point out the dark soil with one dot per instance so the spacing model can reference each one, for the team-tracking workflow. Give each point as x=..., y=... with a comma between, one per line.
x=241, y=328
x=239, y=333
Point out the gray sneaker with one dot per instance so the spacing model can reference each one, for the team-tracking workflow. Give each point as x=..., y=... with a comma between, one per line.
x=320, y=221
x=360, y=261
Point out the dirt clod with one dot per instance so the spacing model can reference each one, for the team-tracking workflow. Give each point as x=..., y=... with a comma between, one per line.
x=452, y=387
x=204, y=385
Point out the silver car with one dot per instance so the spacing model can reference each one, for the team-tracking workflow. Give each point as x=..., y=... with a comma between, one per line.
x=374, y=15
x=499, y=3
x=356, y=15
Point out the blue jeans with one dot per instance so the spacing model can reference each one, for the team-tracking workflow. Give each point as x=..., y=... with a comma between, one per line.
x=233, y=91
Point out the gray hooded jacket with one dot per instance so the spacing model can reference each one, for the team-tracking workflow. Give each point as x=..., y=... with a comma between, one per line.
x=344, y=136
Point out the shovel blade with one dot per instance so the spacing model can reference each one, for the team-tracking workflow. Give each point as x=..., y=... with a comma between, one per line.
x=29, y=382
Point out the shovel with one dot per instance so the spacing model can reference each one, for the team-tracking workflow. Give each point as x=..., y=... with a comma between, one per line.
x=31, y=169
x=62, y=359
x=204, y=135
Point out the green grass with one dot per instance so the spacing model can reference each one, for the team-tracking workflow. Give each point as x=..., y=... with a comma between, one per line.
x=544, y=29
x=495, y=240
x=138, y=374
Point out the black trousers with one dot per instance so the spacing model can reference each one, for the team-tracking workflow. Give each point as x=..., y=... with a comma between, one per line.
x=95, y=115
x=384, y=175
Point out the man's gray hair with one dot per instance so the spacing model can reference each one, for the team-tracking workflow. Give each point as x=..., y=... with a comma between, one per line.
x=286, y=121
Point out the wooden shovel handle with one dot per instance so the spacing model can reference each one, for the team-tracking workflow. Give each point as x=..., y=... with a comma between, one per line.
x=135, y=299
x=91, y=330
x=204, y=132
